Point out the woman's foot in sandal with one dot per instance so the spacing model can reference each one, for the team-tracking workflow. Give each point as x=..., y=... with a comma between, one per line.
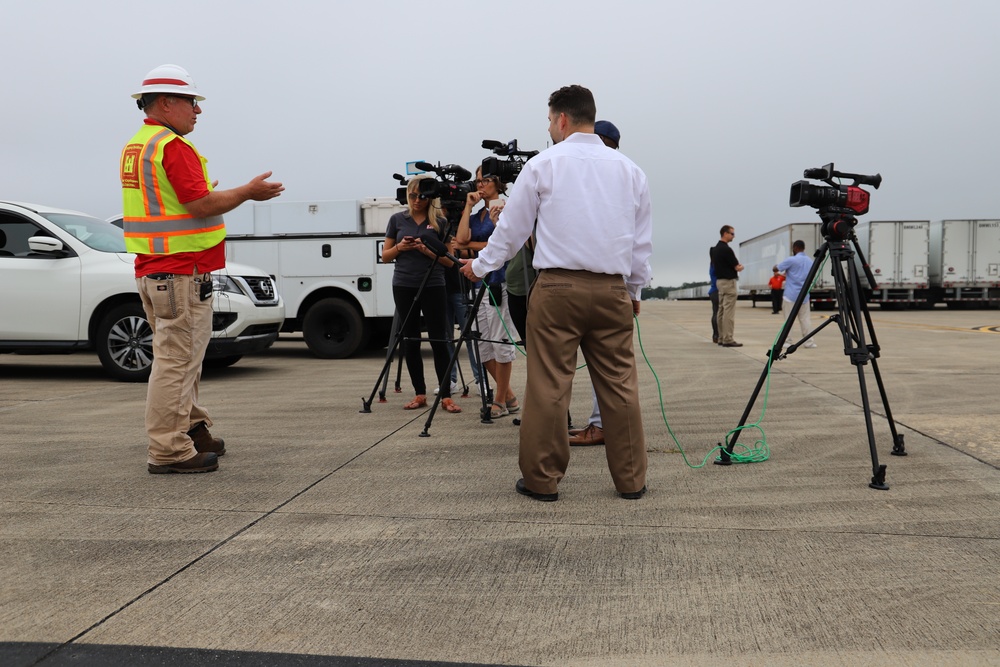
x=419, y=402
x=513, y=406
x=450, y=406
x=499, y=410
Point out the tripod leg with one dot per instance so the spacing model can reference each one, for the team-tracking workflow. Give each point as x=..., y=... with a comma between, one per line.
x=849, y=304
x=898, y=446
x=396, y=325
x=397, y=340
x=470, y=318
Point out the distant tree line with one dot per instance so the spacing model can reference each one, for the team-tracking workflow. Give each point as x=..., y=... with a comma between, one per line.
x=661, y=292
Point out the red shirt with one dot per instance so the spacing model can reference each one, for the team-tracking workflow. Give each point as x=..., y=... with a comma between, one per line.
x=183, y=167
x=777, y=282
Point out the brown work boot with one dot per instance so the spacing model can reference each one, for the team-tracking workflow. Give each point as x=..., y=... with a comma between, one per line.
x=588, y=437
x=202, y=462
x=204, y=442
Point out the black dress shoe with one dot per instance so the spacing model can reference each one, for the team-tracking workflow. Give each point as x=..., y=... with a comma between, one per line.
x=525, y=491
x=633, y=495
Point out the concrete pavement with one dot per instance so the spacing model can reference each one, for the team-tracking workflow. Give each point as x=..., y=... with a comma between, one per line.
x=339, y=538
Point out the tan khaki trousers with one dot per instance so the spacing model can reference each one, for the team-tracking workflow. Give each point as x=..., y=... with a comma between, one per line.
x=182, y=327
x=591, y=311
x=728, y=293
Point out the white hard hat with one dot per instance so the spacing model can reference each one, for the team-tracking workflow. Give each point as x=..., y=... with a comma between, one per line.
x=169, y=79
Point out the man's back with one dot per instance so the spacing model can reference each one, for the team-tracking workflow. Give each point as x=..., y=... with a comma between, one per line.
x=592, y=207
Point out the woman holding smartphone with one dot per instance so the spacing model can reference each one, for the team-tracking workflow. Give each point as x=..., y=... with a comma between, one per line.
x=404, y=243
x=493, y=318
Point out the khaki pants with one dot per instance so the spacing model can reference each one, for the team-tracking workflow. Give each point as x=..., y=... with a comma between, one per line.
x=727, y=309
x=182, y=327
x=803, y=318
x=591, y=311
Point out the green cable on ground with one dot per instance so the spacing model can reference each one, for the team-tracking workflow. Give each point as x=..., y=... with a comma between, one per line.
x=758, y=453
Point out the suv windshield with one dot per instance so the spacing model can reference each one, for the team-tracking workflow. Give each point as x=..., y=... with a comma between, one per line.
x=97, y=234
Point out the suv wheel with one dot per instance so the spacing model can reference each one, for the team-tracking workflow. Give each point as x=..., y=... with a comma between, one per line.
x=125, y=343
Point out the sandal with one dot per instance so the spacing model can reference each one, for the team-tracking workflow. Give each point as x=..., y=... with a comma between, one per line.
x=450, y=406
x=419, y=402
x=513, y=406
x=502, y=412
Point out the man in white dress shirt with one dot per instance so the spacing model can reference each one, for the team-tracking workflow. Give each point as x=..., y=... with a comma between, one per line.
x=593, y=240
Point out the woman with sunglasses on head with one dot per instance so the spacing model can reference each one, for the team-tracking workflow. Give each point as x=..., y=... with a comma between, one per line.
x=493, y=318
x=404, y=243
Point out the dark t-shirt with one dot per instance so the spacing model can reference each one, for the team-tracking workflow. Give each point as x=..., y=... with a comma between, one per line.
x=411, y=266
x=724, y=260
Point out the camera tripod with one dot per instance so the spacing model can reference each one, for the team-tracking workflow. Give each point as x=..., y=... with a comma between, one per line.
x=467, y=335
x=854, y=321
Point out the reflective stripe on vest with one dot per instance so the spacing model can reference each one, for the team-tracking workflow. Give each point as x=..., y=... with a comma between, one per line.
x=155, y=222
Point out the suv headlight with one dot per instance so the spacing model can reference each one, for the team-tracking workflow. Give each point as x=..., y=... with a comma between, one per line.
x=223, y=283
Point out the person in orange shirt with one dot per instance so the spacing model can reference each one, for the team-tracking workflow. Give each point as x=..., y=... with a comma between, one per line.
x=777, y=284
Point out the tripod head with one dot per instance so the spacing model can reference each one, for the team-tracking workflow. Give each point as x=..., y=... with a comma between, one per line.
x=838, y=205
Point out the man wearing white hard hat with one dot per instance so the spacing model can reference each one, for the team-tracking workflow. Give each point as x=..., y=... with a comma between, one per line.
x=173, y=223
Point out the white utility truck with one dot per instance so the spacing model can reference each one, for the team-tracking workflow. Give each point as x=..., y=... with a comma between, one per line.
x=326, y=259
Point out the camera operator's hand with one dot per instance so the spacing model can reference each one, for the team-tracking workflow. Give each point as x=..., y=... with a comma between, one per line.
x=472, y=199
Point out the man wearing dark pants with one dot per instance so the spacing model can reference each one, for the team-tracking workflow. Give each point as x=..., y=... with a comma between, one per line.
x=727, y=269
x=593, y=242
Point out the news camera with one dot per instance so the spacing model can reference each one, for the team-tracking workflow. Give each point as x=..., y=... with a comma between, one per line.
x=505, y=170
x=452, y=184
x=836, y=203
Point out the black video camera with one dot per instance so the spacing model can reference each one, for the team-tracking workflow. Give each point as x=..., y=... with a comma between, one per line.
x=837, y=204
x=505, y=170
x=451, y=185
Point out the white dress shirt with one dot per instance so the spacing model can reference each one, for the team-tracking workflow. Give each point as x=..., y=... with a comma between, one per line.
x=593, y=212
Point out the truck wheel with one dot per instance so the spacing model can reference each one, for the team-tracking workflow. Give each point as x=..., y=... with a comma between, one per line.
x=125, y=343
x=334, y=329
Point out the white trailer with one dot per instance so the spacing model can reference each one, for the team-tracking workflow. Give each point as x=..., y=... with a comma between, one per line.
x=326, y=259
x=898, y=253
x=760, y=254
x=965, y=261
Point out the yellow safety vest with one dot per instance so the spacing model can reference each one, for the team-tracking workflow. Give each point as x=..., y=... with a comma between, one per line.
x=155, y=222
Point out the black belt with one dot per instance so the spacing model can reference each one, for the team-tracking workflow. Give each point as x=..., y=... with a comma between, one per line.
x=168, y=276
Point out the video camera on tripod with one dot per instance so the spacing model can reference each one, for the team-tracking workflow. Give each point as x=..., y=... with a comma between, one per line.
x=452, y=184
x=505, y=170
x=837, y=204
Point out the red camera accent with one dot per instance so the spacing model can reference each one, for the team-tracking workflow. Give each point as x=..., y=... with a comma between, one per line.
x=857, y=200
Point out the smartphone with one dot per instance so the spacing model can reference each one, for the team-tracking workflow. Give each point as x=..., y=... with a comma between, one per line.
x=407, y=239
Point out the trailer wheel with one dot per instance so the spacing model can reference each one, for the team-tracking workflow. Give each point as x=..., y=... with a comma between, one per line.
x=334, y=329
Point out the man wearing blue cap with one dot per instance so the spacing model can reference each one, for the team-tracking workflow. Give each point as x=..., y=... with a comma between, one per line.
x=608, y=133
x=593, y=434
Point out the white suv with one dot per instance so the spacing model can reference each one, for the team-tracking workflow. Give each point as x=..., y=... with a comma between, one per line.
x=68, y=284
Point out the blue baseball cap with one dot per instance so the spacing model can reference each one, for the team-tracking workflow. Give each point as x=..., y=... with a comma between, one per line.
x=606, y=128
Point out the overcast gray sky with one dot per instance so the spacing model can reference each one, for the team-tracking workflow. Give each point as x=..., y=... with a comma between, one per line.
x=723, y=103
